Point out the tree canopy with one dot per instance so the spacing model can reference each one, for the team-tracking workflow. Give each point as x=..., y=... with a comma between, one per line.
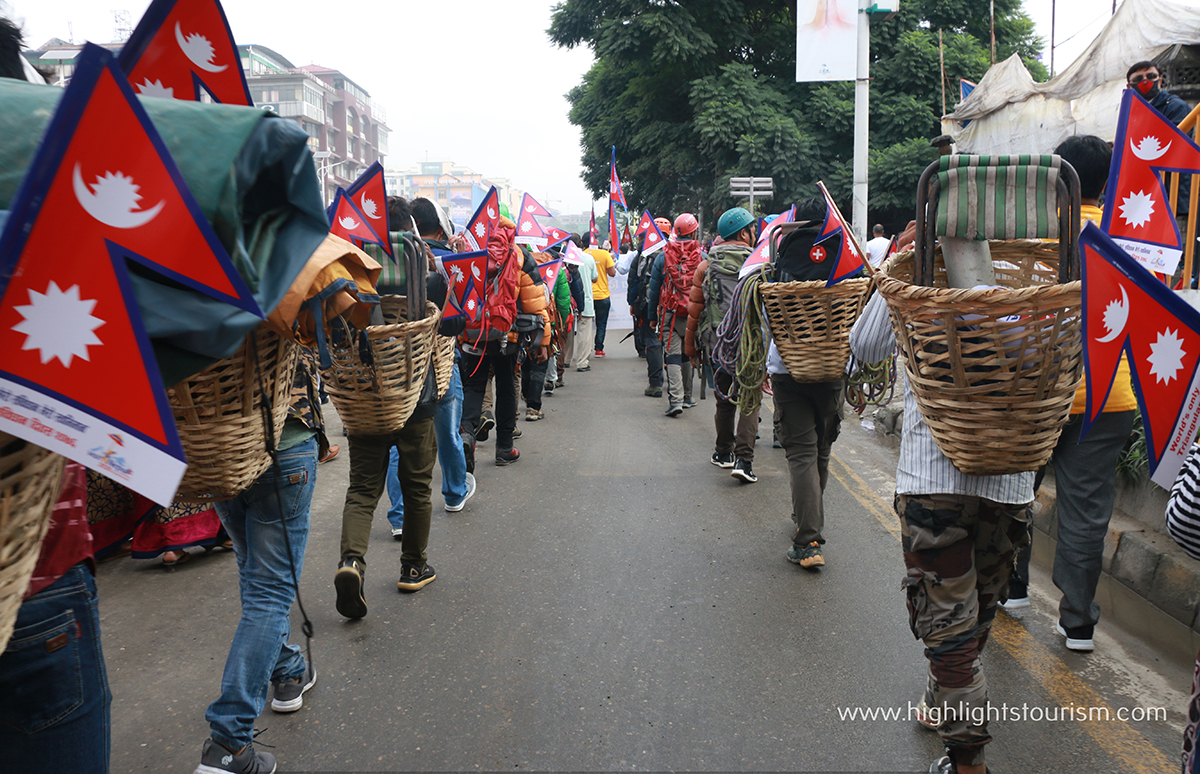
x=693, y=92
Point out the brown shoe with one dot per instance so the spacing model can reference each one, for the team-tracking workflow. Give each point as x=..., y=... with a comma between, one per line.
x=333, y=452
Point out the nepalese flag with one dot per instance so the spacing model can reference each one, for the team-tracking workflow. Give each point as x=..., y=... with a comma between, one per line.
x=369, y=194
x=347, y=221
x=625, y=237
x=614, y=235
x=573, y=254
x=1138, y=214
x=550, y=270
x=479, y=227
x=77, y=371
x=1126, y=310
x=615, y=194
x=593, y=234
x=762, y=251
x=529, y=231
x=654, y=239
x=849, y=261
x=466, y=276
x=644, y=224
x=182, y=48
x=530, y=206
x=555, y=236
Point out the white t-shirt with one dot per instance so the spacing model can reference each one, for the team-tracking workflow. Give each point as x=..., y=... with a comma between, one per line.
x=877, y=250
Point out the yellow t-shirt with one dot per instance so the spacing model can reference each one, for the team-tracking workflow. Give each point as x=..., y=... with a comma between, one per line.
x=604, y=262
x=1120, y=397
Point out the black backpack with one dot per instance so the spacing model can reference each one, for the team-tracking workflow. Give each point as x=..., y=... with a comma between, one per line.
x=801, y=258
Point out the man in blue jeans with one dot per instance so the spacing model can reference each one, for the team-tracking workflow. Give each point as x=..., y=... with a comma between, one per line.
x=268, y=524
x=457, y=484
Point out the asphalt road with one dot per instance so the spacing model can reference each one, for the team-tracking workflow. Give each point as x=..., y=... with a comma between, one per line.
x=615, y=602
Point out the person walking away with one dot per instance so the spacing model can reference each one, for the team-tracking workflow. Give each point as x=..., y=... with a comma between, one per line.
x=712, y=289
x=670, y=286
x=877, y=247
x=605, y=268
x=585, y=333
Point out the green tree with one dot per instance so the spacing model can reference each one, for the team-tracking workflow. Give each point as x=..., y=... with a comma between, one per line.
x=693, y=92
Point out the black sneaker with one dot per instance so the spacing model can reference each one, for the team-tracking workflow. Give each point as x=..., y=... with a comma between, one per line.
x=414, y=578
x=1079, y=638
x=653, y=392
x=507, y=457
x=289, y=692
x=216, y=758
x=722, y=460
x=469, y=453
x=742, y=470
x=486, y=423
x=349, y=585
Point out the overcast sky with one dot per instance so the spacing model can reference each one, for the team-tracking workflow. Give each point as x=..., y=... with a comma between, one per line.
x=477, y=82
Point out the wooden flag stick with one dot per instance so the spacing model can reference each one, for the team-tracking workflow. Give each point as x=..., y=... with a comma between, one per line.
x=862, y=255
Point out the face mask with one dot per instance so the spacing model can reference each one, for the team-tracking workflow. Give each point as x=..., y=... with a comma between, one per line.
x=1146, y=88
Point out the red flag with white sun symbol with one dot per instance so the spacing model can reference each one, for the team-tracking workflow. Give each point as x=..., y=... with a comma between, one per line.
x=1137, y=213
x=529, y=231
x=347, y=221
x=483, y=221
x=1126, y=310
x=465, y=275
x=182, y=48
x=370, y=196
x=77, y=371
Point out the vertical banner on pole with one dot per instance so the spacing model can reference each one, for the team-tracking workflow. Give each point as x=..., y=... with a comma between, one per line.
x=826, y=40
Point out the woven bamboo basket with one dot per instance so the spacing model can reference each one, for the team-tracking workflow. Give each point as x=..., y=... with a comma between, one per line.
x=443, y=362
x=219, y=415
x=30, y=478
x=811, y=323
x=994, y=372
x=379, y=396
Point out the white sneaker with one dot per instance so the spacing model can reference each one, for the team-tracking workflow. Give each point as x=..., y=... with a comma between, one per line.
x=1082, y=643
x=1015, y=603
x=470, y=492
x=397, y=533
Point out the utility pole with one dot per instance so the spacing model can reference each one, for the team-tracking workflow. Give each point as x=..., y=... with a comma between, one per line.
x=862, y=98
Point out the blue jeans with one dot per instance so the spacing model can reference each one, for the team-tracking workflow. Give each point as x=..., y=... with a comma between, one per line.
x=449, y=450
x=256, y=521
x=54, y=697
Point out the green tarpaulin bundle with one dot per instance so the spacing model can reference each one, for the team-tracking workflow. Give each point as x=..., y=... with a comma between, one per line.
x=251, y=174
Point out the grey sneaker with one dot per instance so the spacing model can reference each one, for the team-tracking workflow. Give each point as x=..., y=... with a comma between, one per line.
x=470, y=493
x=216, y=758
x=689, y=403
x=674, y=410
x=349, y=585
x=653, y=392
x=486, y=422
x=289, y=692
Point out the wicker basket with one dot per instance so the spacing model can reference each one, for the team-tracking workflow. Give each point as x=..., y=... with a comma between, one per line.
x=378, y=398
x=443, y=363
x=219, y=415
x=811, y=323
x=994, y=372
x=30, y=478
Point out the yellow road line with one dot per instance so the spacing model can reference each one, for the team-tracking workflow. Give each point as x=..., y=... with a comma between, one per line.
x=1118, y=739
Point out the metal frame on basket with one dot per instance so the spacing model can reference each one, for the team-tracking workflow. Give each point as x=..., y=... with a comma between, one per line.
x=929, y=192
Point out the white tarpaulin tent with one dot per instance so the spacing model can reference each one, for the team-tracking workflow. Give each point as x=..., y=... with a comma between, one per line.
x=1009, y=113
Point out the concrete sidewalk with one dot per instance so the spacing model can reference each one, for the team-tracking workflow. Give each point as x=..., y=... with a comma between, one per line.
x=1149, y=586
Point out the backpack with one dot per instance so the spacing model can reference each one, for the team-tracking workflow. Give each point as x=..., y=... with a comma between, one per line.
x=719, y=283
x=801, y=258
x=680, y=264
x=645, y=269
x=500, y=300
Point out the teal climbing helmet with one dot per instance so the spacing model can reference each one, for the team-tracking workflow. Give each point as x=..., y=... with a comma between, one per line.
x=733, y=221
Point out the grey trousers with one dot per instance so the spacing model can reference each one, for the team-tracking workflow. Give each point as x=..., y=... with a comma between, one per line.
x=735, y=431
x=810, y=415
x=678, y=368
x=1085, y=477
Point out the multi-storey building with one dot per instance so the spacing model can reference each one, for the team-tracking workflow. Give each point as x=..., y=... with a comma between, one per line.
x=347, y=130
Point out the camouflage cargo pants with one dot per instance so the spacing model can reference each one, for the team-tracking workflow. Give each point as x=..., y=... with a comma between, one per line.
x=959, y=553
